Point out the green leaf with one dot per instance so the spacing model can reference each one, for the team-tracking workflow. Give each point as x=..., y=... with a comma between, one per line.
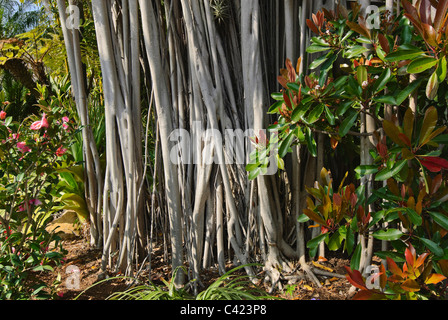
x=8, y=121
x=252, y=166
x=432, y=87
x=397, y=257
x=348, y=123
x=388, y=235
x=335, y=241
x=356, y=258
x=362, y=74
x=414, y=217
x=440, y=219
x=315, y=114
x=366, y=170
x=401, y=55
x=387, y=99
x=433, y=247
x=382, y=81
x=294, y=86
x=442, y=69
x=303, y=218
x=407, y=91
x=316, y=63
x=355, y=52
x=421, y=64
x=316, y=48
x=314, y=243
x=330, y=116
x=254, y=173
x=285, y=145
x=350, y=240
x=312, y=147
x=389, y=173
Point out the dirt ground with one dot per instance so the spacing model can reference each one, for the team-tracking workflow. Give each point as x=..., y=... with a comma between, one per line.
x=88, y=261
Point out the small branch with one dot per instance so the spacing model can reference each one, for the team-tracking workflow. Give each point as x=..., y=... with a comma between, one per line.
x=328, y=274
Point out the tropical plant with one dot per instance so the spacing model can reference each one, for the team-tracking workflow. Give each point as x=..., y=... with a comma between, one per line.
x=30, y=153
x=400, y=197
x=229, y=286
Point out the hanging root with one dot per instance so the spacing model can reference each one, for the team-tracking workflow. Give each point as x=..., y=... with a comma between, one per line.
x=310, y=274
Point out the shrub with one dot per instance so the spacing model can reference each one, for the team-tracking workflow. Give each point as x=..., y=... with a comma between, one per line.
x=407, y=201
x=30, y=152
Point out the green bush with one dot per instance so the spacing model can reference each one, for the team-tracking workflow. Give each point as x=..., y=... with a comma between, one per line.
x=365, y=72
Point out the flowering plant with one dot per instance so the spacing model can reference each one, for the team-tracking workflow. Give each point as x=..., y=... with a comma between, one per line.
x=30, y=152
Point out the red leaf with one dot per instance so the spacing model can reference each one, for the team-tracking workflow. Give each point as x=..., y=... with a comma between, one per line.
x=337, y=199
x=425, y=11
x=434, y=164
x=355, y=278
x=312, y=26
x=405, y=139
x=287, y=100
x=363, y=295
x=440, y=14
x=384, y=43
x=410, y=255
x=394, y=268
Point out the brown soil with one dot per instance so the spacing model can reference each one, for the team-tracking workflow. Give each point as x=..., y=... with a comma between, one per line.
x=88, y=260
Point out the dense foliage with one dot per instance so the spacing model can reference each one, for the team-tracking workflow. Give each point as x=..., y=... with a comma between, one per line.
x=377, y=73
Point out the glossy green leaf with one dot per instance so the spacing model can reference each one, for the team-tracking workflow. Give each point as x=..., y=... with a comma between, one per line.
x=421, y=64
x=433, y=247
x=315, y=113
x=348, y=123
x=362, y=74
x=285, y=145
x=355, y=51
x=382, y=81
x=414, y=217
x=312, y=147
x=407, y=91
x=387, y=173
x=315, y=242
x=318, y=62
x=442, y=69
x=440, y=219
x=363, y=170
x=388, y=235
x=335, y=241
x=356, y=258
x=401, y=55
x=317, y=48
x=329, y=116
x=432, y=87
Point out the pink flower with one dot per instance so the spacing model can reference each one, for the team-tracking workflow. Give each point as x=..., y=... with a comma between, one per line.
x=23, y=147
x=61, y=151
x=2, y=115
x=32, y=202
x=40, y=124
x=35, y=202
x=65, y=119
x=60, y=294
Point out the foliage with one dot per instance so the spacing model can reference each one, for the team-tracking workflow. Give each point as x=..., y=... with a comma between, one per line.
x=227, y=287
x=30, y=153
x=407, y=205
